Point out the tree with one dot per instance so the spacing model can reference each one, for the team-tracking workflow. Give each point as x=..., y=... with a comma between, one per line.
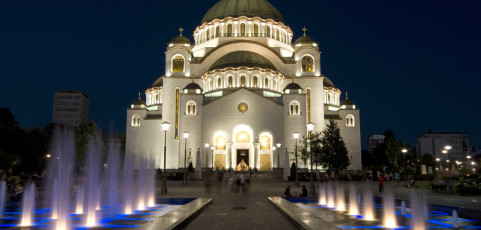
x=83, y=135
x=333, y=152
x=315, y=145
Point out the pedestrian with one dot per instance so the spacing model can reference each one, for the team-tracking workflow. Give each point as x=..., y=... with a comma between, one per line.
x=243, y=182
x=287, y=192
x=381, y=183
x=304, y=191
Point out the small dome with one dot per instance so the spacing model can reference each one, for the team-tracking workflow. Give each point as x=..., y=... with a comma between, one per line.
x=138, y=101
x=347, y=102
x=305, y=39
x=159, y=82
x=193, y=86
x=293, y=86
x=328, y=83
x=248, y=8
x=180, y=39
x=242, y=59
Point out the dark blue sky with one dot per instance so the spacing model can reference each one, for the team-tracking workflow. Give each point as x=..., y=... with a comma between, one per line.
x=409, y=65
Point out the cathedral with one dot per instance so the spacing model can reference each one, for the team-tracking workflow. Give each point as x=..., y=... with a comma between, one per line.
x=234, y=95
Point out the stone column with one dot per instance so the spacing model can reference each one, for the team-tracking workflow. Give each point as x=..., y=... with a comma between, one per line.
x=256, y=155
x=229, y=155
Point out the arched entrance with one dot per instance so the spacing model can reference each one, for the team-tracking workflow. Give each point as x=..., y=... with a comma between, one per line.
x=243, y=155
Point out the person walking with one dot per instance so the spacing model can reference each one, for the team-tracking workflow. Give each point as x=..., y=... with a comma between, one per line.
x=381, y=183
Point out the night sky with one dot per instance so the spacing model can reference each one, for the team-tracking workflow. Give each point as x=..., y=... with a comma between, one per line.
x=409, y=65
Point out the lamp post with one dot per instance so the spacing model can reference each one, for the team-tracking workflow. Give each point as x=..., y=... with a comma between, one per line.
x=278, y=149
x=310, y=127
x=438, y=164
x=206, y=155
x=165, y=127
x=446, y=151
x=296, y=136
x=404, y=151
x=186, y=135
x=212, y=148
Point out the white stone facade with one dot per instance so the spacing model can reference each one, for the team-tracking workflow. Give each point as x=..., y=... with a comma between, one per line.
x=237, y=91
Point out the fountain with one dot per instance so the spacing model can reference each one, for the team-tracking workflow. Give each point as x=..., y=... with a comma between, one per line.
x=353, y=210
x=79, y=201
x=128, y=183
x=403, y=207
x=322, y=194
x=28, y=205
x=389, y=208
x=368, y=213
x=455, y=219
x=418, y=212
x=93, y=195
x=340, y=199
x=3, y=192
x=330, y=195
x=113, y=163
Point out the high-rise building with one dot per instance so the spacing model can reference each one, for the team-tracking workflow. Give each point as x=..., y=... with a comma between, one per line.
x=240, y=89
x=374, y=140
x=70, y=107
x=435, y=143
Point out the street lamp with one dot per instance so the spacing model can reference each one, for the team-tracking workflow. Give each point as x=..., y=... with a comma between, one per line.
x=206, y=155
x=296, y=136
x=278, y=149
x=446, y=151
x=404, y=154
x=165, y=127
x=212, y=148
x=186, y=135
x=310, y=127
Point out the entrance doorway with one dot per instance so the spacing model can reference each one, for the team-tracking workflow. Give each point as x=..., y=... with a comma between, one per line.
x=242, y=163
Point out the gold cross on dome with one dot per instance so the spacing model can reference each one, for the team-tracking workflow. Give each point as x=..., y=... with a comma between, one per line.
x=180, y=30
x=304, y=29
x=347, y=96
x=139, y=95
x=193, y=77
x=292, y=76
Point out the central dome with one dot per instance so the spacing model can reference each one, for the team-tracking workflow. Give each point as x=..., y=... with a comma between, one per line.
x=242, y=59
x=248, y=8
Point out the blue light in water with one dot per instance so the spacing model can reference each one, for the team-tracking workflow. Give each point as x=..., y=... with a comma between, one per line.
x=440, y=223
x=120, y=226
x=380, y=227
x=127, y=218
x=8, y=225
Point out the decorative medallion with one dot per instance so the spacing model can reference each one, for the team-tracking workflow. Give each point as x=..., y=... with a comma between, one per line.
x=242, y=107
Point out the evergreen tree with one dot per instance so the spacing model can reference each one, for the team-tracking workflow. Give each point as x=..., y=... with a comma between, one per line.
x=333, y=152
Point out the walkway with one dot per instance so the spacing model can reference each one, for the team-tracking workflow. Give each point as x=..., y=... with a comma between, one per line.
x=252, y=210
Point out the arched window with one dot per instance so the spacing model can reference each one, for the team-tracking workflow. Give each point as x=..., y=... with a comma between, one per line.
x=135, y=120
x=255, y=81
x=220, y=143
x=294, y=108
x=243, y=137
x=307, y=64
x=229, y=81
x=229, y=30
x=266, y=83
x=265, y=142
x=278, y=37
x=190, y=108
x=243, y=81
x=216, y=31
x=350, y=120
x=219, y=82
x=268, y=33
x=243, y=29
x=207, y=35
x=178, y=64
x=211, y=84
x=256, y=30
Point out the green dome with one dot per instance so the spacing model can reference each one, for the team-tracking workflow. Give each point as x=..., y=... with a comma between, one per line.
x=193, y=86
x=180, y=39
x=248, y=8
x=305, y=39
x=327, y=82
x=138, y=101
x=293, y=86
x=347, y=102
x=159, y=82
x=242, y=59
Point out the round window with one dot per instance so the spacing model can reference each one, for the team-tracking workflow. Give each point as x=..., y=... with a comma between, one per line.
x=242, y=107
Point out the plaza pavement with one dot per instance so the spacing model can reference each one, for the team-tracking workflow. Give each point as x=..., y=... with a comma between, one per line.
x=252, y=210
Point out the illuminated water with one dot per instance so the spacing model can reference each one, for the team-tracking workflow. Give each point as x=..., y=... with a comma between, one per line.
x=3, y=197
x=368, y=203
x=353, y=208
x=389, y=209
x=28, y=205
